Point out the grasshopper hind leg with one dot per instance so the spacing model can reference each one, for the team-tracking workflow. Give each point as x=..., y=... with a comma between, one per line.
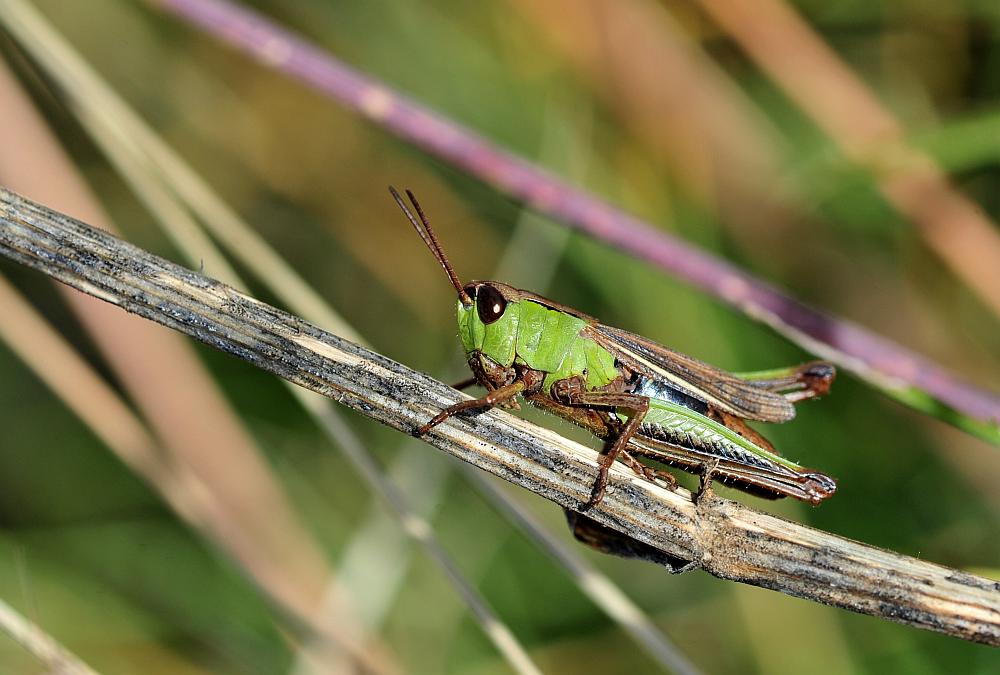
x=650, y=473
x=741, y=427
x=798, y=383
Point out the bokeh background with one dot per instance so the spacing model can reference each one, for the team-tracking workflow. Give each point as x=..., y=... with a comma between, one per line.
x=688, y=114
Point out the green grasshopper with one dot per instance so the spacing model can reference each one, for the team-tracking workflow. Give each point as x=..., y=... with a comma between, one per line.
x=642, y=399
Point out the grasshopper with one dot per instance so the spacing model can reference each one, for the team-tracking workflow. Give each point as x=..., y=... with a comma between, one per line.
x=643, y=399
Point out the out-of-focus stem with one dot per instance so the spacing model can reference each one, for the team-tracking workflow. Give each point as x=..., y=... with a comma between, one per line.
x=57, y=658
x=877, y=360
x=840, y=103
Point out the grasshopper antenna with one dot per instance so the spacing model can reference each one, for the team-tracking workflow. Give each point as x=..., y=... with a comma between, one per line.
x=430, y=240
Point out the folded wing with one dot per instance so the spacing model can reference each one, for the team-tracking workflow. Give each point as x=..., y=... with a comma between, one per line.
x=706, y=383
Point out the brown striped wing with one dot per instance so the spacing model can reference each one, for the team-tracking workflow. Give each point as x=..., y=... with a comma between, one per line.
x=695, y=378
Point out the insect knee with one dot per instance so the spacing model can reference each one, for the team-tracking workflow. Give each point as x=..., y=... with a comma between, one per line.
x=566, y=391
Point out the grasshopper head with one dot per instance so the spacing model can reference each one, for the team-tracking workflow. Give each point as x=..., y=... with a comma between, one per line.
x=489, y=325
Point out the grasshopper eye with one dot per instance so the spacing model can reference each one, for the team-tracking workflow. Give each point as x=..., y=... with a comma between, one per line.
x=490, y=303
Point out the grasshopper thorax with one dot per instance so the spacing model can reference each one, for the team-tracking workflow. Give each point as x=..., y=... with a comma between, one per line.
x=489, y=325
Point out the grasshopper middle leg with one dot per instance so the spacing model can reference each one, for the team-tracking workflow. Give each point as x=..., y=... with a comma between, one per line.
x=571, y=392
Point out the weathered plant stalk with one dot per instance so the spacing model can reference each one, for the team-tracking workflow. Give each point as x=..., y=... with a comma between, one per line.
x=724, y=538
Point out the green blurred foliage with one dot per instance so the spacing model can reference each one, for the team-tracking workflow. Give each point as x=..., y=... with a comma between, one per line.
x=88, y=551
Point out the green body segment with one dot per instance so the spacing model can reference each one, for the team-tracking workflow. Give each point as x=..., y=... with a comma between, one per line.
x=549, y=340
x=682, y=422
x=541, y=338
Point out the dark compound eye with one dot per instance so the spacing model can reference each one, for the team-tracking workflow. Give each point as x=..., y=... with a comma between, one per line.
x=490, y=304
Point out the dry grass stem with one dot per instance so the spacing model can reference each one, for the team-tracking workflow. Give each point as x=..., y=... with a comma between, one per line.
x=46, y=649
x=840, y=103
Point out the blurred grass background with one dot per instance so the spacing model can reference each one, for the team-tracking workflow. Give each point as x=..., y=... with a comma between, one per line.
x=585, y=89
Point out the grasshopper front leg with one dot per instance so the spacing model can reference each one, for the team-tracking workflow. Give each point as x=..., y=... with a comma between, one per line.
x=492, y=399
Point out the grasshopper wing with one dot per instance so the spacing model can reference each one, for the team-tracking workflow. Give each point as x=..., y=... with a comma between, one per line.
x=695, y=378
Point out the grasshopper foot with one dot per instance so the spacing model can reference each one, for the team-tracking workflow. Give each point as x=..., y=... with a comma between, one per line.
x=600, y=485
x=705, y=481
x=436, y=420
x=648, y=472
